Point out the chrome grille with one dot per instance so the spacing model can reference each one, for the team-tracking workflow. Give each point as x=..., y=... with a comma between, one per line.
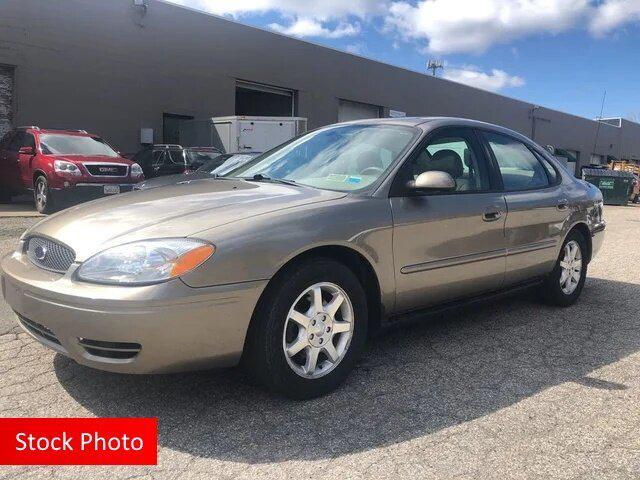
x=106, y=169
x=49, y=255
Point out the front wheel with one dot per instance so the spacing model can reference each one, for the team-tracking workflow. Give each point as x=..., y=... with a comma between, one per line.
x=42, y=195
x=564, y=285
x=309, y=330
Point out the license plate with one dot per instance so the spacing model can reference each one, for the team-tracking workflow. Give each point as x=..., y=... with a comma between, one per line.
x=111, y=189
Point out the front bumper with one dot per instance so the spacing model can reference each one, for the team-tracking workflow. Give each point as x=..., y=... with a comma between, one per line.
x=597, y=237
x=160, y=328
x=83, y=192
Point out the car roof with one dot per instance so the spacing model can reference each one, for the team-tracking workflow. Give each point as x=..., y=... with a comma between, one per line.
x=34, y=129
x=429, y=123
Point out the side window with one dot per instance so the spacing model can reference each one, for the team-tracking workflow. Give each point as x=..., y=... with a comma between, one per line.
x=29, y=141
x=158, y=158
x=519, y=167
x=451, y=152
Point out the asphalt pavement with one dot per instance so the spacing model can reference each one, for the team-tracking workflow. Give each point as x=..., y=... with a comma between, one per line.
x=510, y=389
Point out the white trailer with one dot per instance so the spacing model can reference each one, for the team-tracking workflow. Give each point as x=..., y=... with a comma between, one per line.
x=241, y=134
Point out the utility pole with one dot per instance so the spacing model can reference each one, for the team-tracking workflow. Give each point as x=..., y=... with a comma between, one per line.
x=434, y=66
x=534, y=119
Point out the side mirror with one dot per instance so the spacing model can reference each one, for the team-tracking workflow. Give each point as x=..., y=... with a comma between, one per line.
x=27, y=151
x=434, y=180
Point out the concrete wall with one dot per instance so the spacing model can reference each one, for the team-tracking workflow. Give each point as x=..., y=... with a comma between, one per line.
x=101, y=66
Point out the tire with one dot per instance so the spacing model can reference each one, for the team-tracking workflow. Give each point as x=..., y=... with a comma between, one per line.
x=5, y=198
x=42, y=195
x=276, y=330
x=563, y=285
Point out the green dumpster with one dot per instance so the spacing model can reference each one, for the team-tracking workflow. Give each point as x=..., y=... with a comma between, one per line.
x=614, y=184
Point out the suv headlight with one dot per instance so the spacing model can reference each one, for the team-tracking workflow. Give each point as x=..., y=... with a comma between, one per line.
x=145, y=262
x=136, y=170
x=61, y=166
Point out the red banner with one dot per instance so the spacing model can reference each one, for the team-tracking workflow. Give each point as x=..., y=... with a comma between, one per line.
x=78, y=441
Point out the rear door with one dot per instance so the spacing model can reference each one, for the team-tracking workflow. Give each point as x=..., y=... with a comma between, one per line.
x=537, y=207
x=24, y=161
x=447, y=245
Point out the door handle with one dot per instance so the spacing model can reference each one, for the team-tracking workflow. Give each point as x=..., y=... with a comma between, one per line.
x=491, y=215
x=563, y=204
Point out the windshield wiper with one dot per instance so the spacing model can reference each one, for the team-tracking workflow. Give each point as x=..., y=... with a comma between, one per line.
x=258, y=177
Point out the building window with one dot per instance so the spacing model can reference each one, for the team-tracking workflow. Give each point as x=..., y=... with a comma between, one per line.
x=171, y=127
x=348, y=110
x=254, y=99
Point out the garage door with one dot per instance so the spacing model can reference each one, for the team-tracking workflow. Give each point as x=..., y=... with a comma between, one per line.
x=264, y=101
x=6, y=99
x=348, y=110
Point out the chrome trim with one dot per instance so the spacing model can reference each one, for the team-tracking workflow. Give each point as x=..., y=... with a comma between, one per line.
x=478, y=257
x=107, y=164
x=532, y=247
x=102, y=184
x=454, y=261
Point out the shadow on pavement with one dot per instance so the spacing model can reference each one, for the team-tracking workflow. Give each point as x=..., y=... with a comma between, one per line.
x=413, y=381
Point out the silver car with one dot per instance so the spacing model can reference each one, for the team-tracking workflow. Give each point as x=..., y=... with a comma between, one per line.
x=290, y=263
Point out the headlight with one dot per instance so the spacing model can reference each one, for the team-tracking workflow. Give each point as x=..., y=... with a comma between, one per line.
x=60, y=166
x=136, y=170
x=145, y=262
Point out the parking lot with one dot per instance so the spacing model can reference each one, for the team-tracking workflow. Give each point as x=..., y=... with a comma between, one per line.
x=511, y=389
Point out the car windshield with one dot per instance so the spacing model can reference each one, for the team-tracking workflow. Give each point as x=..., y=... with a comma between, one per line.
x=198, y=158
x=344, y=157
x=232, y=162
x=62, y=144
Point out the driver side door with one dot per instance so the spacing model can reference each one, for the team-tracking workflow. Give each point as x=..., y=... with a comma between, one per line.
x=448, y=244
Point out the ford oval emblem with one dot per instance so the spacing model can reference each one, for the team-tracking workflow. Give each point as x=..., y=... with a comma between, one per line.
x=40, y=252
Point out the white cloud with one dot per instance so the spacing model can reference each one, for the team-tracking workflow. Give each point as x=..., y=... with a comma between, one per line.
x=305, y=27
x=613, y=14
x=473, y=26
x=435, y=26
x=320, y=10
x=494, y=81
x=358, y=48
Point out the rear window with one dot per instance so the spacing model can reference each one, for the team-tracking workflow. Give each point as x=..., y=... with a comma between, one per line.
x=519, y=167
x=177, y=156
x=62, y=144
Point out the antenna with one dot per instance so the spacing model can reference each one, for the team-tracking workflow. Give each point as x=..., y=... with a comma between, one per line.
x=599, y=119
x=434, y=65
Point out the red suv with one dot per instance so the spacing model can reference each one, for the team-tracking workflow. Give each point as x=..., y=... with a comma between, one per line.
x=62, y=167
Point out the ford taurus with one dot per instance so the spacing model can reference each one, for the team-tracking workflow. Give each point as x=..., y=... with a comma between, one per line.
x=288, y=262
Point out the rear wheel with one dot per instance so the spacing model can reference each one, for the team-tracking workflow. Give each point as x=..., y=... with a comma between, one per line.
x=564, y=285
x=309, y=330
x=42, y=195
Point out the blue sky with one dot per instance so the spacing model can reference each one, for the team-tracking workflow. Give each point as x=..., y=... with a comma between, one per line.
x=561, y=54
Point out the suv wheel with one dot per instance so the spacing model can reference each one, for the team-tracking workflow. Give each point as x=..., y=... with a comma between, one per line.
x=564, y=285
x=42, y=196
x=309, y=330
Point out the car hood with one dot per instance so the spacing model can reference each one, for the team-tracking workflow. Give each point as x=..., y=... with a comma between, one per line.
x=171, y=211
x=92, y=159
x=172, y=180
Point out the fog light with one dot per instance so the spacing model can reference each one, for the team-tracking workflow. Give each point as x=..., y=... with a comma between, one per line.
x=66, y=184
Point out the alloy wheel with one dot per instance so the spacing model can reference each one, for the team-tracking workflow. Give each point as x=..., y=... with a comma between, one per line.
x=41, y=194
x=318, y=330
x=571, y=267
